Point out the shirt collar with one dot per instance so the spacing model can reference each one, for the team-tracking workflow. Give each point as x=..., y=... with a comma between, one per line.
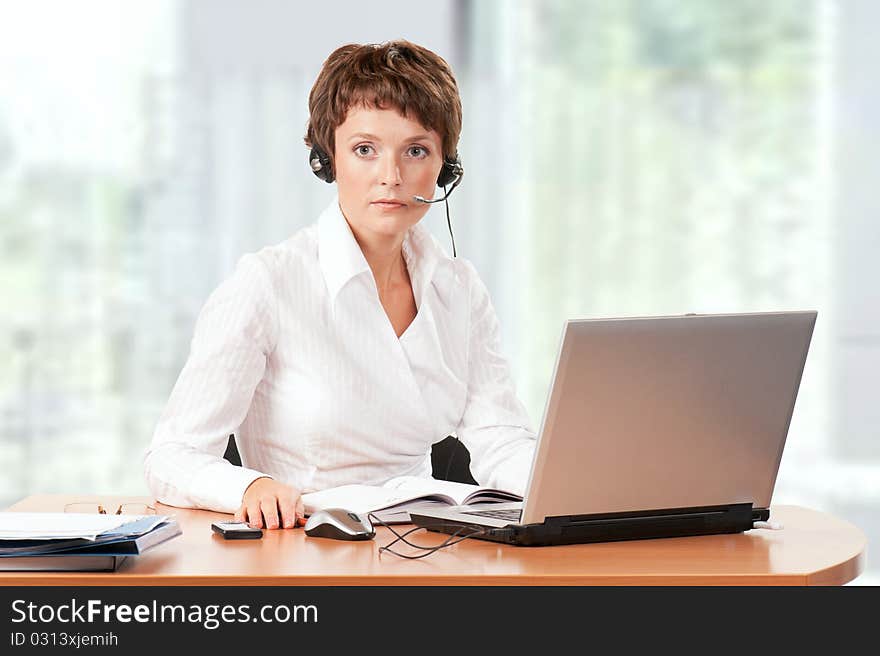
x=341, y=258
x=428, y=263
x=340, y=255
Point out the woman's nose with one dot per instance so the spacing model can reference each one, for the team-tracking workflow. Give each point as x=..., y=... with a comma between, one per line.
x=390, y=171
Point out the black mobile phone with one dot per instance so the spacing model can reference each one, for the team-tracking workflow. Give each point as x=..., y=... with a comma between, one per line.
x=237, y=530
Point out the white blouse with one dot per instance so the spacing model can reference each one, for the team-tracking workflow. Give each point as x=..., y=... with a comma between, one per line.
x=295, y=355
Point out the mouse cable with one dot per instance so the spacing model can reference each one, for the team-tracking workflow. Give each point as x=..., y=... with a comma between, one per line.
x=430, y=550
x=401, y=537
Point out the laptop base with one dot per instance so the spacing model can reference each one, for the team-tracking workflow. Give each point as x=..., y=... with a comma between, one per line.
x=579, y=529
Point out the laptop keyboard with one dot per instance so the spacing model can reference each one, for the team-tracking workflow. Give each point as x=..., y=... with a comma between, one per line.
x=511, y=515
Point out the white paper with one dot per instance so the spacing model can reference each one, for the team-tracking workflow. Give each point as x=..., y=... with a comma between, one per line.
x=52, y=526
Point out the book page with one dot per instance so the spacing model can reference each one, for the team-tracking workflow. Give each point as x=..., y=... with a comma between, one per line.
x=363, y=499
x=490, y=495
x=400, y=515
x=461, y=493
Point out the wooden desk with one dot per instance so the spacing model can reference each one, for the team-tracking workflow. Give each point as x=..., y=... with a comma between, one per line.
x=814, y=548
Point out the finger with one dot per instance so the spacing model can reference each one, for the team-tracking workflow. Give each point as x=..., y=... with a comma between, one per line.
x=270, y=511
x=300, y=512
x=288, y=512
x=239, y=514
x=255, y=517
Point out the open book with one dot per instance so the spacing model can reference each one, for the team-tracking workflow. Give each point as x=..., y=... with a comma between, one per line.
x=392, y=501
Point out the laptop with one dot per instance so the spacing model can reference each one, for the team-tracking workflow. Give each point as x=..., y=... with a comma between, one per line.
x=654, y=427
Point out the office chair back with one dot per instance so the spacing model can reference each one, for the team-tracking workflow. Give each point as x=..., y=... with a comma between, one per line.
x=447, y=455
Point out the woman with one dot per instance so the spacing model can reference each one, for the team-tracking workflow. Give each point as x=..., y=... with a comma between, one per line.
x=342, y=354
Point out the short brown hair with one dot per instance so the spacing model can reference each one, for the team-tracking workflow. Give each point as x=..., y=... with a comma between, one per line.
x=397, y=74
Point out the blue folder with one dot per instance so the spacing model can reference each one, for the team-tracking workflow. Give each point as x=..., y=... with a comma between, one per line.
x=106, y=552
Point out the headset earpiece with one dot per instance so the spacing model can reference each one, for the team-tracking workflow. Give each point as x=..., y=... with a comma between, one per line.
x=320, y=164
x=451, y=170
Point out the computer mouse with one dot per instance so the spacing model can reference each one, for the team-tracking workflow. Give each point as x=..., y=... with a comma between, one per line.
x=339, y=524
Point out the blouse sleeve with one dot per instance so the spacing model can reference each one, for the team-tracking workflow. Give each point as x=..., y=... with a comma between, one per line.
x=235, y=332
x=495, y=426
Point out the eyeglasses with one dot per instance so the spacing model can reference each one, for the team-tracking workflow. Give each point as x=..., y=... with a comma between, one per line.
x=121, y=509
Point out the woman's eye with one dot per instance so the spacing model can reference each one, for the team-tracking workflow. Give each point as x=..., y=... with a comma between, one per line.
x=418, y=151
x=363, y=150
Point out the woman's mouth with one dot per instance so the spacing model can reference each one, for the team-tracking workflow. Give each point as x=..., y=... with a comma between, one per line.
x=388, y=204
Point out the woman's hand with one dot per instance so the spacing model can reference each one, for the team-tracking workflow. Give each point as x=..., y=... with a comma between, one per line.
x=279, y=504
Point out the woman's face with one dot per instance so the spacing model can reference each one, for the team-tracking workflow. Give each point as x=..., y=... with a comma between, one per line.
x=382, y=156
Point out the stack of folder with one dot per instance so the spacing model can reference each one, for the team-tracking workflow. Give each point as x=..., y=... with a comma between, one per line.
x=78, y=541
